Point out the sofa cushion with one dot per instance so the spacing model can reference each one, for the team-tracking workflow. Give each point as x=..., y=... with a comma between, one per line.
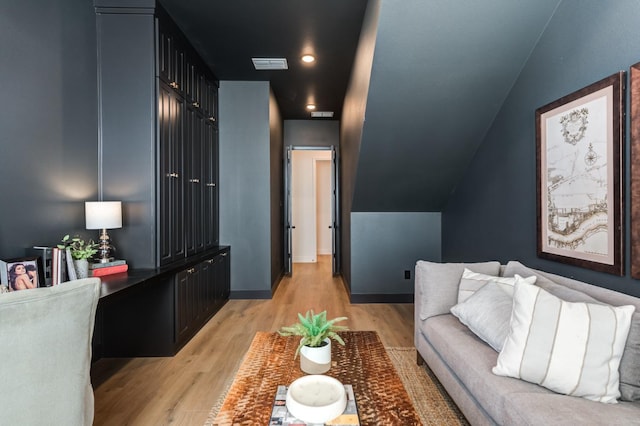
x=561, y=410
x=487, y=313
x=471, y=360
x=571, y=348
x=473, y=281
x=566, y=289
x=436, y=284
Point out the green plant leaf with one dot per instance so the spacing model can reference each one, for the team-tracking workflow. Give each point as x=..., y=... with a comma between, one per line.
x=314, y=329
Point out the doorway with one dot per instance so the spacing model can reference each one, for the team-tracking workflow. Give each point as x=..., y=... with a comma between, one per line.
x=311, y=206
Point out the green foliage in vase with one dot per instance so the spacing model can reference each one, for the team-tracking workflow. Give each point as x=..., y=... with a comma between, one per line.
x=80, y=249
x=314, y=328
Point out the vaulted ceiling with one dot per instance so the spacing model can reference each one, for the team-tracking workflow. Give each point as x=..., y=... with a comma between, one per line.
x=441, y=71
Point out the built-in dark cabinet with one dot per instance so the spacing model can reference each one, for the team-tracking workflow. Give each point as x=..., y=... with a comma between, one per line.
x=200, y=291
x=156, y=312
x=158, y=154
x=182, y=72
x=157, y=135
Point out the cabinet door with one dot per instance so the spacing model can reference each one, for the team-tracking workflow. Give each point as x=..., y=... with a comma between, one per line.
x=182, y=326
x=171, y=227
x=210, y=187
x=222, y=278
x=165, y=48
x=209, y=286
x=189, y=78
x=171, y=56
x=209, y=98
x=195, y=311
x=187, y=306
x=194, y=182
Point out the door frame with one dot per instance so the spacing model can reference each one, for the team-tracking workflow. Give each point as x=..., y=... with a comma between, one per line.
x=335, y=207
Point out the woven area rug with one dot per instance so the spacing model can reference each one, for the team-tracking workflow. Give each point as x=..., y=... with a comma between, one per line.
x=431, y=401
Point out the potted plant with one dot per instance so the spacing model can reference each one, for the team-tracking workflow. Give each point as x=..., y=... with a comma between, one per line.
x=316, y=333
x=81, y=251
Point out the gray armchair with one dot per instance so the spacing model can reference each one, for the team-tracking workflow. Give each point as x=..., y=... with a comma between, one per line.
x=45, y=354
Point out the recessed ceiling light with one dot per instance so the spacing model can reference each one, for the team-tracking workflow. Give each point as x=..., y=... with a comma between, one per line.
x=311, y=107
x=308, y=58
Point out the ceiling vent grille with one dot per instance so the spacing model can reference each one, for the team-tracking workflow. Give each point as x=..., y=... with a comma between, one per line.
x=322, y=114
x=270, y=63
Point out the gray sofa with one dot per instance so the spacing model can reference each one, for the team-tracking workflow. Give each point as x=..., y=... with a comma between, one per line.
x=463, y=362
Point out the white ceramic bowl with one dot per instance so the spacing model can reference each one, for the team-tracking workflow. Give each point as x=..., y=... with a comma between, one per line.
x=316, y=398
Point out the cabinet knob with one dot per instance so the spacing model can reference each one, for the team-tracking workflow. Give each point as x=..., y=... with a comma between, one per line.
x=210, y=261
x=191, y=270
x=210, y=184
x=173, y=84
x=212, y=119
x=196, y=104
x=224, y=254
x=173, y=175
x=194, y=180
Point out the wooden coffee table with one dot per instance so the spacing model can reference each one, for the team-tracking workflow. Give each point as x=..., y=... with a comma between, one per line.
x=362, y=362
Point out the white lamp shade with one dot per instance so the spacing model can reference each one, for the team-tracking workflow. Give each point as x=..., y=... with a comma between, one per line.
x=103, y=214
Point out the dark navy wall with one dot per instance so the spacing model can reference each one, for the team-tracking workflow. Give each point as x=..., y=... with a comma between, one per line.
x=492, y=213
x=48, y=148
x=386, y=244
x=277, y=190
x=245, y=185
x=312, y=133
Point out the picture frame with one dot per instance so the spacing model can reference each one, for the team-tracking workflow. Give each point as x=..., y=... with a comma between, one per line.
x=23, y=273
x=634, y=113
x=580, y=201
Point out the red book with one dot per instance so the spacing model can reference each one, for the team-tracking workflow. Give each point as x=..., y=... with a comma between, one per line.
x=109, y=270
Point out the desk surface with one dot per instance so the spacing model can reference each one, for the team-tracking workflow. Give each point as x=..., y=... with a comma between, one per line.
x=112, y=284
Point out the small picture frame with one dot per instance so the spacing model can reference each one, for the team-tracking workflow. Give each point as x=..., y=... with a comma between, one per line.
x=23, y=273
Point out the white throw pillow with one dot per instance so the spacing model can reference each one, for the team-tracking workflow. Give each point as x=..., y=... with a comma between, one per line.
x=473, y=281
x=570, y=348
x=487, y=314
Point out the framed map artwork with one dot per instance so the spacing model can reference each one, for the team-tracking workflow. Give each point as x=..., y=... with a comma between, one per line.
x=579, y=141
x=634, y=88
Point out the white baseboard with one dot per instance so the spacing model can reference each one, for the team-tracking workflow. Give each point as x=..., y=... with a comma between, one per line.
x=304, y=259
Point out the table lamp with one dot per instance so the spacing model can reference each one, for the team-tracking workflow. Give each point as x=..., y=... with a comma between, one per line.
x=103, y=215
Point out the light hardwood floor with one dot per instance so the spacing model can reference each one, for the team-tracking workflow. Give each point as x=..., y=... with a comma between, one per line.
x=182, y=389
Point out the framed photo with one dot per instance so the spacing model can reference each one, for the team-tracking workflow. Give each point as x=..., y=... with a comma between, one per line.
x=634, y=87
x=24, y=273
x=579, y=141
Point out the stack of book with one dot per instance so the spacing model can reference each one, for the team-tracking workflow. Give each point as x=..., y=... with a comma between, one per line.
x=108, y=268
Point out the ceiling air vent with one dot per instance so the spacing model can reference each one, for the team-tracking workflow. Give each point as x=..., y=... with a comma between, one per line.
x=322, y=114
x=270, y=63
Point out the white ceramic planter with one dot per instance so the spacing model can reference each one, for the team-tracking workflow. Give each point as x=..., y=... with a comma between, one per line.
x=316, y=360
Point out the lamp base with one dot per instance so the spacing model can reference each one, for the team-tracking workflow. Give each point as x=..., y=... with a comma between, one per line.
x=104, y=248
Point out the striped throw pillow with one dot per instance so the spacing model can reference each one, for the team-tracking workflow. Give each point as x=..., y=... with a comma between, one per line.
x=570, y=348
x=474, y=281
